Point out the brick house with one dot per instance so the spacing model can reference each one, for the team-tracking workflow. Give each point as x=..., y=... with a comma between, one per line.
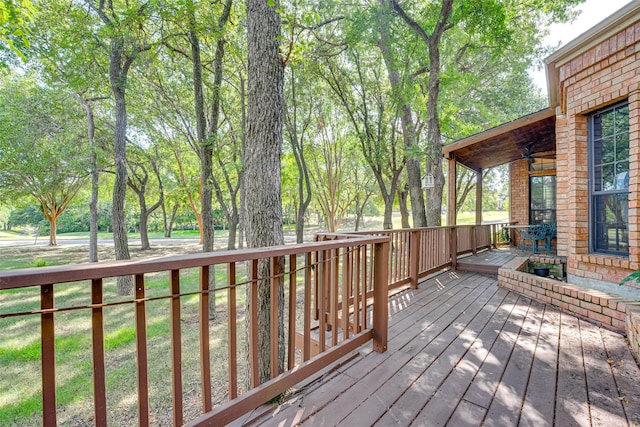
x=578, y=162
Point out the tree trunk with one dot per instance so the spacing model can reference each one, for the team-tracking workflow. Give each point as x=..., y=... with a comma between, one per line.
x=118, y=214
x=95, y=175
x=262, y=174
x=206, y=149
x=434, y=153
x=144, y=233
x=297, y=145
x=404, y=211
x=172, y=219
x=53, y=221
x=406, y=119
x=434, y=138
x=233, y=229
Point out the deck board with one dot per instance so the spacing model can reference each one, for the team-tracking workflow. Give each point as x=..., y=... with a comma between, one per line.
x=541, y=392
x=464, y=352
x=485, y=262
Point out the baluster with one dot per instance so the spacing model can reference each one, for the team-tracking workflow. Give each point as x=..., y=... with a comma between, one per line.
x=141, y=346
x=291, y=357
x=48, y=342
x=176, y=348
x=232, y=331
x=205, y=352
x=97, y=333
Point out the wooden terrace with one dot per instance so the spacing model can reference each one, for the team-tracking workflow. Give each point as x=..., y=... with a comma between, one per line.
x=378, y=328
x=464, y=352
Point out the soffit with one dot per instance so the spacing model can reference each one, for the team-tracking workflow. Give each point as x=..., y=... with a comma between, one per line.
x=535, y=133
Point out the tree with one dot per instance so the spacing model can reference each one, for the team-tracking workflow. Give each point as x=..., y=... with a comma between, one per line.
x=262, y=179
x=42, y=147
x=355, y=81
x=297, y=122
x=61, y=45
x=206, y=138
x=466, y=41
x=138, y=181
x=434, y=159
x=128, y=38
x=400, y=94
x=332, y=172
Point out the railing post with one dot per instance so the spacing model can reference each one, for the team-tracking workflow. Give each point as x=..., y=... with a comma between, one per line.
x=48, y=343
x=474, y=240
x=141, y=351
x=453, y=247
x=176, y=348
x=414, y=258
x=380, y=296
x=99, y=380
x=494, y=235
x=488, y=230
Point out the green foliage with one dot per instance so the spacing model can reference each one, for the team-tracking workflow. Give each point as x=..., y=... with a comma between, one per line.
x=15, y=19
x=40, y=263
x=30, y=216
x=484, y=82
x=633, y=277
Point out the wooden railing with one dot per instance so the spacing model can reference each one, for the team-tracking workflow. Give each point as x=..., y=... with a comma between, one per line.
x=331, y=294
x=418, y=252
x=332, y=297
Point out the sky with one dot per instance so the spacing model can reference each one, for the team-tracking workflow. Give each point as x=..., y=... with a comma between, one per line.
x=593, y=11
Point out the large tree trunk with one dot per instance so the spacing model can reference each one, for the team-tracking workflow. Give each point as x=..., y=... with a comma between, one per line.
x=262, y=160
x=434, y=138
x=406, y=118
x=118, y=215
x=434, y=156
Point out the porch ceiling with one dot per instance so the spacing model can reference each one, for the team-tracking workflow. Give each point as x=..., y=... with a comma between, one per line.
x=506, y=143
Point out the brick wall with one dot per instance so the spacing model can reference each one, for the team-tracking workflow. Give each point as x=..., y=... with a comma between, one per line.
x=601, y=76
x=633, y=329
x=519, y=198
x=607, y=310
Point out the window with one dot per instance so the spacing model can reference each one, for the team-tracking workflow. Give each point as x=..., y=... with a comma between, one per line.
x=609, y=176
x=542, y=190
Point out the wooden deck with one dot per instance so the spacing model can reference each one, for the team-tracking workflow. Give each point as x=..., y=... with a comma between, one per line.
x=486, y=262
x=465, y=352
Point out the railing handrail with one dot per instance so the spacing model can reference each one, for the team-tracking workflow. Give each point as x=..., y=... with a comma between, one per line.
x=26, y=277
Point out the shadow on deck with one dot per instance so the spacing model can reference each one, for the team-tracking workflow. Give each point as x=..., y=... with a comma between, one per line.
x=465, y=352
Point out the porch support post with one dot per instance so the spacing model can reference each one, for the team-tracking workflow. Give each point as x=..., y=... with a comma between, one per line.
x=451, y=190
x=479, y=196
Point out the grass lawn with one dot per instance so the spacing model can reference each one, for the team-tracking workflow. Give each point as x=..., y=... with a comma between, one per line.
x=20, y=353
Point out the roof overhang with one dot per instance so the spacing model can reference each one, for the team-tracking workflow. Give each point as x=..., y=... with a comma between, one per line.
x=506, y=143
x=587, y=40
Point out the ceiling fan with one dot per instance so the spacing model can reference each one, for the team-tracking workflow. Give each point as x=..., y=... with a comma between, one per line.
x=531, y=157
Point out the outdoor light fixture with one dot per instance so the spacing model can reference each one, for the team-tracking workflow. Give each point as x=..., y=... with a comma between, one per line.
x=428, y=181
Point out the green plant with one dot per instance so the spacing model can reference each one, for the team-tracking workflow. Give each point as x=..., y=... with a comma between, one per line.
x=39, y=262
x=633, y=277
